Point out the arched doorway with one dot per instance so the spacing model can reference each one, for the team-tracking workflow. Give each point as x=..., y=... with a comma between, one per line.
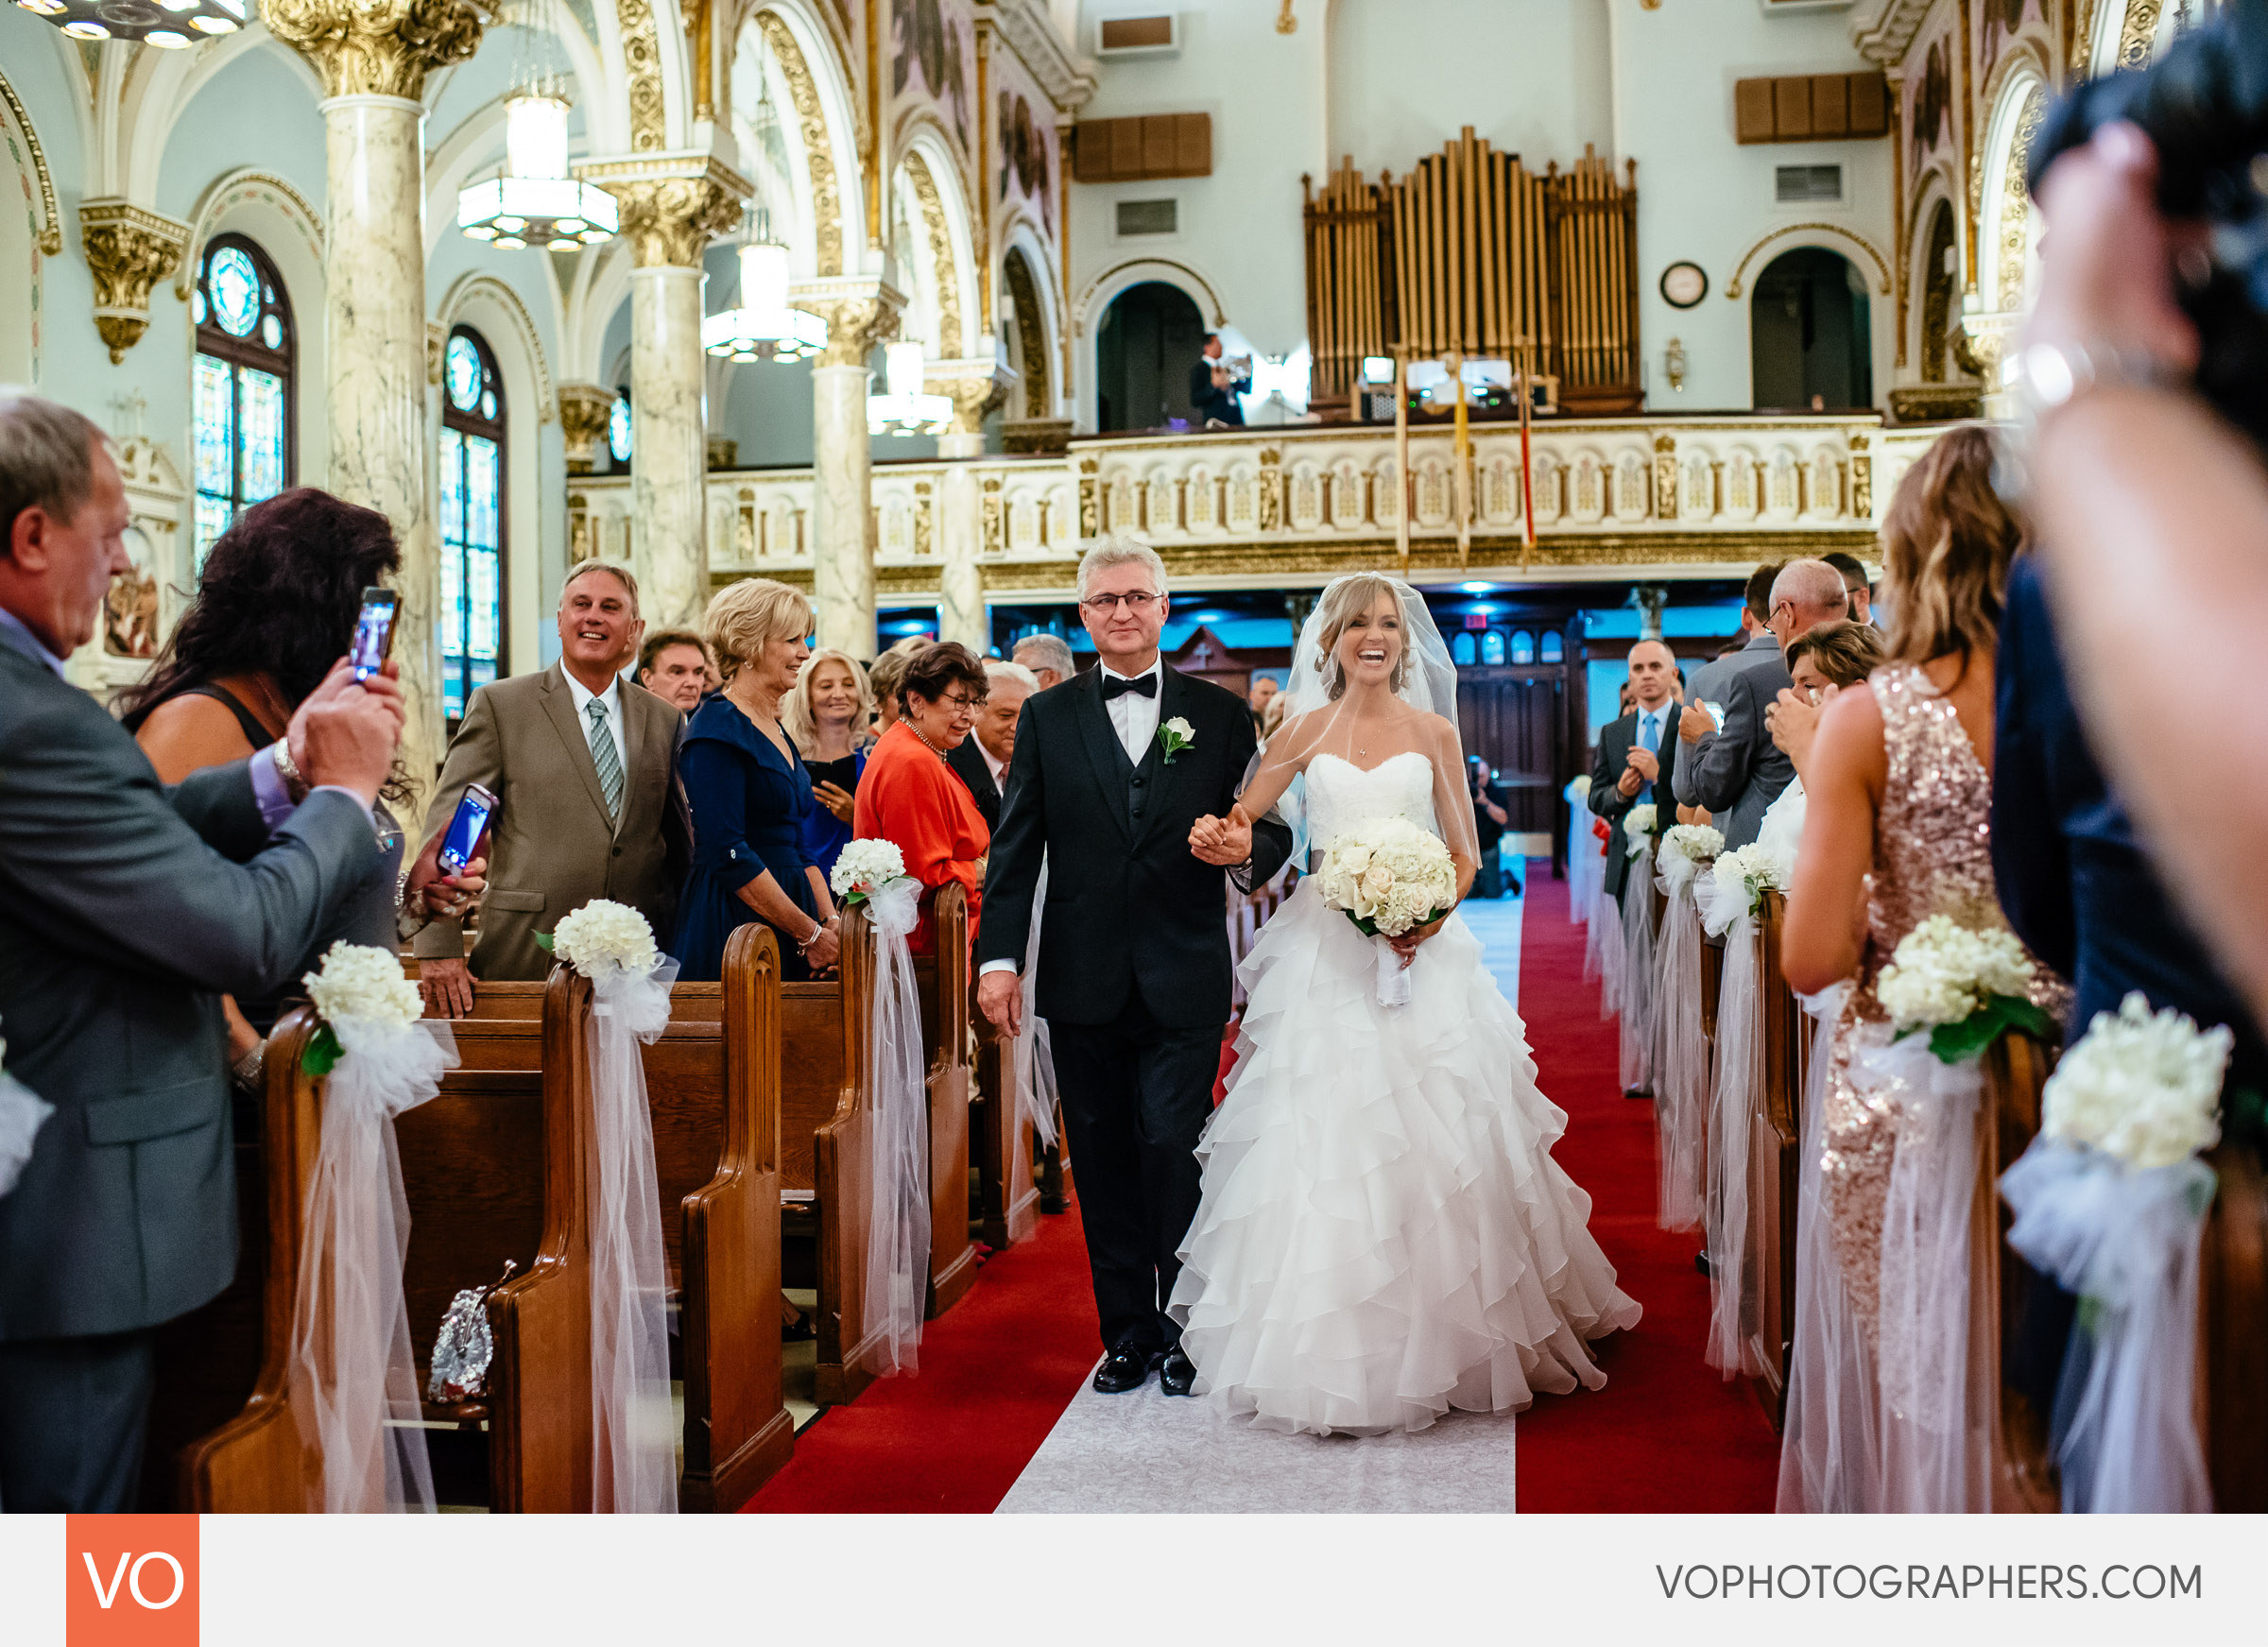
x=1149, y=338
x=1809, y=336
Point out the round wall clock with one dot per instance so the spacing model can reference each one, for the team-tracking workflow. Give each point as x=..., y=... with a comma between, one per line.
x=1683, y=284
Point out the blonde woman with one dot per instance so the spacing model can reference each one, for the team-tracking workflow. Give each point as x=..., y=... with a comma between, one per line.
x=750, y=792
x=827, y=716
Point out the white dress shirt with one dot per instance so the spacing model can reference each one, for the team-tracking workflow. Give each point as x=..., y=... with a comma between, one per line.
x=998, y=768
x=1134, y=718
x=611, y=697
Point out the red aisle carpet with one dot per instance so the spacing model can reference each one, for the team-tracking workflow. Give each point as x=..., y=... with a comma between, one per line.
x=1665, y=1434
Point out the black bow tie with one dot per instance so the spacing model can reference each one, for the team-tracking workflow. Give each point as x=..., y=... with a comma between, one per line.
x=1141, y=685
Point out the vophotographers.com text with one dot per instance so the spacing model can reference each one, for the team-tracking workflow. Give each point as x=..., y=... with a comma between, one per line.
x=1916, y=1581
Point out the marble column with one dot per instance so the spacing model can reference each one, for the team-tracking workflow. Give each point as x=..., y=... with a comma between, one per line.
x=962, y=614
x=373, y=57
x=671, y=210
x=859, y=315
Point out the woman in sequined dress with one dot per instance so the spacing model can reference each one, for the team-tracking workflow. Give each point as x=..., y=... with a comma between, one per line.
x=1900, y=778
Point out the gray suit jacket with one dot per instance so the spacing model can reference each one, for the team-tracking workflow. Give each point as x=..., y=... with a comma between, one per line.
x=552, y=849
x=125, y=909
x=1738, y=772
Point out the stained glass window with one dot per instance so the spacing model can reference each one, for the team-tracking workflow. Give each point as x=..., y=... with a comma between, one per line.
x=1523, y=646
x=241, y=388
x=1460, y=647
x=469, y=627
x=618, y=427
x=1492, y=647
x=1554, y=647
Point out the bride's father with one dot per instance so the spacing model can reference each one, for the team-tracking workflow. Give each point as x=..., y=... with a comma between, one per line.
x=1109, y=775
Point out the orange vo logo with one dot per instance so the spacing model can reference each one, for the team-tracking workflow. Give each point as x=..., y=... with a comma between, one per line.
x=131, y=1581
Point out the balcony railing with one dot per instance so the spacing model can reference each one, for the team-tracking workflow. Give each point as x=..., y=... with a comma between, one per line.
x=1296, y=502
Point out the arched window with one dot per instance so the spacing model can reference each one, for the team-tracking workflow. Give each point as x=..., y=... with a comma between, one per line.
x=241, y=392
x=1460, y=647
x=1492, y=647
x=1523, y=646
x=471, y=627
x=618, y=426
x=1554, y=647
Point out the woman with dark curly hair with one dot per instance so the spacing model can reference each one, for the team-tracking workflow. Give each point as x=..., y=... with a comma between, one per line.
x=910, y=796
x=275, y=608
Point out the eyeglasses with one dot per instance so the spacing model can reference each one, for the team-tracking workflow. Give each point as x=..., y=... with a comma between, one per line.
x=959, y=702
x=1139, y=603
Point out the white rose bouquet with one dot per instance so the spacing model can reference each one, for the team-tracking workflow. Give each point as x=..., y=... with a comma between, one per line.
x=865, y=867
x=2142, y=1086
x=1578, y=789
x=603, y=938
x=1388, y=876
x=1637, y=824
x=1695, y=844
x=361, y=995
x=1967, y=987
x=1744, y=874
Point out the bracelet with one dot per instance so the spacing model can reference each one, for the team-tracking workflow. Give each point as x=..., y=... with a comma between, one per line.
x=296, y=786
x=245, y=1074
x=817, y=927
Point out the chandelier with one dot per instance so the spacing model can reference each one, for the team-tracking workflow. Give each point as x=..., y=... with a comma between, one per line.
x=169, y=24
x=534, y=201
x=763, y=327
x=906, y=410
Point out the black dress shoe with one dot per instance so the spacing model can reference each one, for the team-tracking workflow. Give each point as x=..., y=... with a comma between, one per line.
x=1127, y=1367
x=1178, y=1373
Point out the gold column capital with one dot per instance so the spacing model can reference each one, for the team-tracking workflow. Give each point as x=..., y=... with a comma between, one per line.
x=585, y=410
x=673, y=205
x=129, y=251
x=976, y=386
x=860, y=312
x=378, y=48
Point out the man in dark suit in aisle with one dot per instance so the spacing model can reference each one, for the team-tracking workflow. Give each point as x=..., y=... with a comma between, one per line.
x=1638, y=756
x=127, y=909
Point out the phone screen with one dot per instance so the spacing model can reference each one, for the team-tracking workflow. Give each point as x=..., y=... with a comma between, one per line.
x=466, y=826
x=373, y=632
x=1716, y=712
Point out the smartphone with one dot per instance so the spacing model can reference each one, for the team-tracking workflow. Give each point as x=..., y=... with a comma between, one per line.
x=474, y=807
x=373, y=632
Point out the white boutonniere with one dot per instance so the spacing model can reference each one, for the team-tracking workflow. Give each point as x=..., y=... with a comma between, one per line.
x=1175, y=736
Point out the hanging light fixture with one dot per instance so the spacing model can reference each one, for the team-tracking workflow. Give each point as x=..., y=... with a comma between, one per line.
x=169, y=24
x=762, y=327
x=533, y=201
x=906, y=410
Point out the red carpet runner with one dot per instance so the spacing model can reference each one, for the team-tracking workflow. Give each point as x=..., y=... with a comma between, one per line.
x=1665, y=1434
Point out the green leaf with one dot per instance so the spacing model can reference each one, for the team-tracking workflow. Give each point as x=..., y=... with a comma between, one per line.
x=2022, y=1015
x=323, y=1052
x=1954, y=1042
x=543, y=942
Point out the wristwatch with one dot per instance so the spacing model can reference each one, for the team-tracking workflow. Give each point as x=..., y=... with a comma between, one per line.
x=294, y=784
x=245, y=1074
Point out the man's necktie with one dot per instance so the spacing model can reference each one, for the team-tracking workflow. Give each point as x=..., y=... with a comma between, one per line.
x=1649, y=739
x=1117, y=685
x=603, y=755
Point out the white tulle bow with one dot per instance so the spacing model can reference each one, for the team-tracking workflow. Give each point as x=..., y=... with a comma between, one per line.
x=2126, y=1240
x=633, y=1442
x=354, y=1377
x=1739, y=1072
x=1680, y=1055
x=1036, y=1094
x=898, y=1168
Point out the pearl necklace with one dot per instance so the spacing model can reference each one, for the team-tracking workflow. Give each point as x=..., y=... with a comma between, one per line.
x=924, y=741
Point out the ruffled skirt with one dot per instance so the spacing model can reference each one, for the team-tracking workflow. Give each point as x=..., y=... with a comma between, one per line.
x=1384, y=1235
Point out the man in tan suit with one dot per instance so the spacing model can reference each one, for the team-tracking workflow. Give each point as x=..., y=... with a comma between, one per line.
x=583, y=765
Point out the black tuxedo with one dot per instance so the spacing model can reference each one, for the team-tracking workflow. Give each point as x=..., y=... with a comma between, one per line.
x=1616, y=740
x=1134, y=975
x=968, y=760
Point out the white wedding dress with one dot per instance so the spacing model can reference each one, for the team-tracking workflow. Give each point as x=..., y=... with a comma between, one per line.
x=1384, y=1235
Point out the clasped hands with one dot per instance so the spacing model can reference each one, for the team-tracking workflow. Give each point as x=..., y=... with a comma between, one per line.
x=1225, y=842
x=1642, y=767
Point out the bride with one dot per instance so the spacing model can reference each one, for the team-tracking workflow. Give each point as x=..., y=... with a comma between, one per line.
x=1383, y=1235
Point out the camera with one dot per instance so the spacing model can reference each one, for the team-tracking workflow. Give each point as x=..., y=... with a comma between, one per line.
x=2204, y=106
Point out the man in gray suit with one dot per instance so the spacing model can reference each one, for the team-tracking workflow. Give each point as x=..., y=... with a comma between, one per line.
x=1638, y=756
x=1737, y=772
x=1709, y=680
x=126, y=910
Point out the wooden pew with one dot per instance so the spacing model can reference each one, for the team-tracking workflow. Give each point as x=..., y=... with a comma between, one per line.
x=1776, y=1141
x=2015, y=1071
x=1007, y=1206
x=826, y=1134
x=942, y=979
x=492, y=1168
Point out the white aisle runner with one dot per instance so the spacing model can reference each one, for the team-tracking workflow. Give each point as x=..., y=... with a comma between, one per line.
x=1146, y=1453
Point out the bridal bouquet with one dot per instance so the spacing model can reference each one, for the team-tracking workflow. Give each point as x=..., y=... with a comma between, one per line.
x=2111, y=1199
x=1637, y=824
x=865, y=867
x=1388, y=876
x=1967, y=987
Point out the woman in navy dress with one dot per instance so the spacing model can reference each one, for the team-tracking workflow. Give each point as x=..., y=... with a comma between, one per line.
x=751, y=793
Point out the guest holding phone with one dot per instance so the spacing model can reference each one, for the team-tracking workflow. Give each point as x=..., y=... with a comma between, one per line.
x=279, y=602
x=751, y=793
x=827, y=716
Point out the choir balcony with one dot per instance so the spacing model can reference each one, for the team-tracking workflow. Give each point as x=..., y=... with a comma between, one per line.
x=1702, y=496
